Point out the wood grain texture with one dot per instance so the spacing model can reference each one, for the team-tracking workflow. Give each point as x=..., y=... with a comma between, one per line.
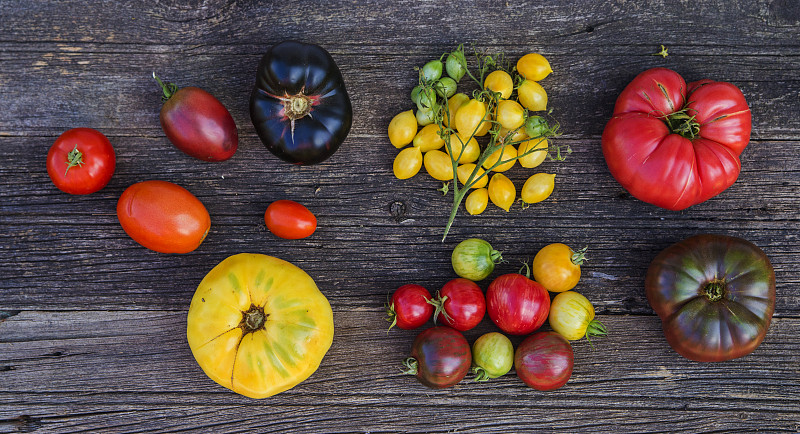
x=92, y=326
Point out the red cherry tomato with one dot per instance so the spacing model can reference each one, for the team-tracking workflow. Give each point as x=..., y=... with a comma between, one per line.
x=517, y=304
x=290, y=220
x=409, y=307
x=440, y=357
x=163, y=216
x=544, y=361
x=81, y=161
x=197, y=123
x=460, y=304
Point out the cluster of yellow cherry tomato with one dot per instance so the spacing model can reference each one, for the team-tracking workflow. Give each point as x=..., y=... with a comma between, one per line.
x=446, y=127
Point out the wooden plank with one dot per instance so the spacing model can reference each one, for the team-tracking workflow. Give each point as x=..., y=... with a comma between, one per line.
x=133, y=371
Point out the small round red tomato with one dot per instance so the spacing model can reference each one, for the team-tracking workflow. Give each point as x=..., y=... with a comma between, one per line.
x=544, y=361
x=163, y=217
x=440, y=357
x=460, y=304
x=409, y=307
x=517, y=304
x=81, y=161
x=197, y=123
x=290, y=220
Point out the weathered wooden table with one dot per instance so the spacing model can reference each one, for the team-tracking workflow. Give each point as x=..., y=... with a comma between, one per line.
x=92, y=325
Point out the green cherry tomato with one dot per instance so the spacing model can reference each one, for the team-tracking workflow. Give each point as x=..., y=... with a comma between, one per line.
x=456, y=65
x=474, y=259
x=536, y=126
x=426, y=99
x=426, y=116
x=432, y=71
x=492, y=356
x=445, y=87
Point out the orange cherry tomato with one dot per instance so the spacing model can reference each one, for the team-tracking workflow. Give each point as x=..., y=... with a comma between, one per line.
x=290, y=220
x=163, y=217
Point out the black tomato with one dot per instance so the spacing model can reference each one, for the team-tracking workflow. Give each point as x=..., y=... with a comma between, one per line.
x=299, y=105
x=440, y=357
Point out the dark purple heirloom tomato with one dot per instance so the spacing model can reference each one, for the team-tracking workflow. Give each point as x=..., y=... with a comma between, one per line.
x=197, y=123
x=715, y=296
x=440, y=357
x=299, y=105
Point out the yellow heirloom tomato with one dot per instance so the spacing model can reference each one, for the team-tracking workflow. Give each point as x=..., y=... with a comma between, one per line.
x=538, y=187
x=439, y=165
x=453, y=104
x=469, y=117
x=502, y=191
x=499, y=81
x=407, y=163
x=477, y=200
x=533, y=66
x=402, y=128
x=510, y=114
x=428, y=138
x=532, y=95
x=506, y=153
x=259, y=325
x=469, y=154
x=464, y=171
x=537, y=149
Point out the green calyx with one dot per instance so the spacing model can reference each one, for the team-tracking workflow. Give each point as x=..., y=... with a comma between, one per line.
x=480, y=374
x=579, y=256
x=683, y=124
x=411, y=366
x=714, y=290
x=438, y=304
x=253, y=319
x=169, y=89
x=74, y=158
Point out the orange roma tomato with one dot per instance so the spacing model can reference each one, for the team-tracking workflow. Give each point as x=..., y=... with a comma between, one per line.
x=290, y=220
x=163, y=217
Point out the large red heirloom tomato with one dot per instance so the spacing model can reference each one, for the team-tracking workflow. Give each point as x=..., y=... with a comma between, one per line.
x=676, y=145
x=715, y=296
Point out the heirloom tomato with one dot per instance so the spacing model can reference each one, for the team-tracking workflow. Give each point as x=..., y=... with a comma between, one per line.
x=502, y=191
x=492, y=356
x=438, y=165
x=289, y=220
x=499, y=81
x=715, y=295
x=507, y=153
x=572, y=316
x=197, y=123
x=409, y=307
x=464, y=154
x=299, y=105
x=477, y=201
x=471, y=119
x=453, y=104
x=557, y=267
x=460, y=304
x=517, y=304
x=464, y=172
x=81, y=161
x=407, y=163
x=676, y=145
x=163, y=217
x=474, y=259
x=538, y=187
x=533, y=66
x=510, y=114
x=428, y=138
x=258, y=325
x=532, y=96
x=440, y=357
x=544, y=361
x=536, y=150
x=402, y=129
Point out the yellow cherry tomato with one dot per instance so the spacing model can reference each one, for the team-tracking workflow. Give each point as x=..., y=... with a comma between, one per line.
x=438, y=165
x=538, y=187
x=476, y=201
x=470, y=153
x=465, y=170
x=402, y=128
x=507, y=152
x=533, y=66
x=258, y=325
x=407, y=163
x=532, y=96
x=428, y=138
x=499, y=81
x=470, y=118
x=572, y=316
x=537, y=149
x=502, y=191
x=557, y=267
x=453, y=104
x=510, y=114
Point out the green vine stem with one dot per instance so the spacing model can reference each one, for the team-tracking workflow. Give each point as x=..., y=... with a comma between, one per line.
x=169, y=89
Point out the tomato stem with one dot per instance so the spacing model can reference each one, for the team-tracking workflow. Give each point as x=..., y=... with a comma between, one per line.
x=392, y=316
x=480, y=374
x=714, y=290
x=411, y=365
x=438, y=304
x=169, y=89
x=579, y=257
x=683, y=124
x=74, y=158
x=253, y=319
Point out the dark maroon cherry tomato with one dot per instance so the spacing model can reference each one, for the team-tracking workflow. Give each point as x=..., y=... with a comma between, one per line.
x=440, y=357
x=517, y=304
x=460, y=304
x=409, y=307
x=544, y=361
x=290, y=220
x=299, y=105
x=197, y=123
